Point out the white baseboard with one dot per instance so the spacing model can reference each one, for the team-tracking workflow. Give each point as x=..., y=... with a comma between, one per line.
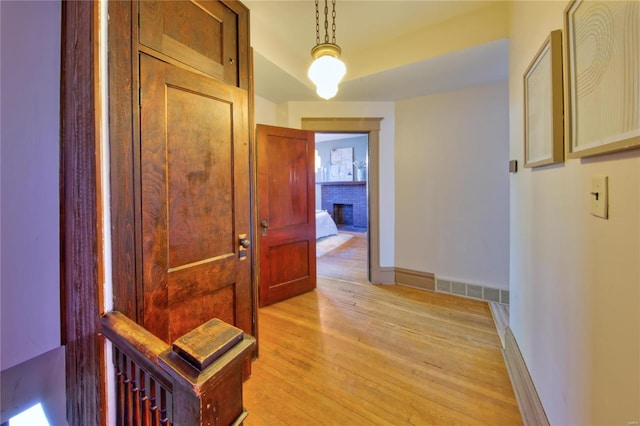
x=529, y=402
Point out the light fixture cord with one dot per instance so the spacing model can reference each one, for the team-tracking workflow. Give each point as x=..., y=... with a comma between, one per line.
x=333, y=27
x=326, y=22
x=317, y=24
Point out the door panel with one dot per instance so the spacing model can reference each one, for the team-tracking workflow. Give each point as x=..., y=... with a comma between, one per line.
x=286, y=206
x=195, y=200
x=202, y=35
x=199, y=178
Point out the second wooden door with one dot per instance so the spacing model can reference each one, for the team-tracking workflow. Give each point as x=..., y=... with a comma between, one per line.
x=286, y=212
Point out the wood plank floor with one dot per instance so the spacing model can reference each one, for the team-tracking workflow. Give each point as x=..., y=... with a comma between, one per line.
x=351, y=353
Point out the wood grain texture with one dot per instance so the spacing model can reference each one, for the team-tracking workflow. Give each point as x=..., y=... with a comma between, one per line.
x=212, y=396
x=156, y=385
x=138, y=344
x=348, y=261
x=231, y=51
x=195, y=197
x=206, y=343
x=241, y=45
x=354, y=353
x=203, y=35
x=79, y=215
x=123, y=216
x=286, y=201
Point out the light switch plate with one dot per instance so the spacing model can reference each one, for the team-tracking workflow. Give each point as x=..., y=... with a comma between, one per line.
x=600, y=196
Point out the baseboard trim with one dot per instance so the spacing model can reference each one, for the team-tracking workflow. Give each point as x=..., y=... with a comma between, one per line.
x=500, y=314
x=383, y=275
x=529, y=402
x=416, y=279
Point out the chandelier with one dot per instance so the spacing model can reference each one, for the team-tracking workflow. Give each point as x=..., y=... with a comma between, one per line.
x=327, y=69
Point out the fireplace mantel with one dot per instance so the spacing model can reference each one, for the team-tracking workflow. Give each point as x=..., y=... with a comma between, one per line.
x=345, y=183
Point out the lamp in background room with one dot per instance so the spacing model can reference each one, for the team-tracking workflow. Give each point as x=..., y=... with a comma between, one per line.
x=327, y=69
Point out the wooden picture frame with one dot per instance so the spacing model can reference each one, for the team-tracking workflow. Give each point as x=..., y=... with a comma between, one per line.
x=543, y=116
x=602, y=65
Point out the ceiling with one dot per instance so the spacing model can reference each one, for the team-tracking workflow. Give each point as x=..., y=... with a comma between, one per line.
x=393, y=49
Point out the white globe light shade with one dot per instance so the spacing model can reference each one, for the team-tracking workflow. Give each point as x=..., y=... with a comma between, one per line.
x=326, y=72
x=326, y=92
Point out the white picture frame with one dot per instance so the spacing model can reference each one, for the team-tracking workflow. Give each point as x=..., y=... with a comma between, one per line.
x=602, y=65
x=543, y=104
x=341, y=165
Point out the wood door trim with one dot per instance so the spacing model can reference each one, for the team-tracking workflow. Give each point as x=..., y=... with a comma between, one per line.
x=81, y=259
x=416, y=279
x=122, y=130
x=371, y=126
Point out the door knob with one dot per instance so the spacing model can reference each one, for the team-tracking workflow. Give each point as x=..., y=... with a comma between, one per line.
x=264, y=223
x=244, y=243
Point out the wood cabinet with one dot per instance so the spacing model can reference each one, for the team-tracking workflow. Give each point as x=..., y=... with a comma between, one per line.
x=180, y=153
x=210, y=36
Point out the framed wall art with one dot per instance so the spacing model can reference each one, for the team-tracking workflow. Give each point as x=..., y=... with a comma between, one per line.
x=341, y=165
x=602, y=76
x=543, y=117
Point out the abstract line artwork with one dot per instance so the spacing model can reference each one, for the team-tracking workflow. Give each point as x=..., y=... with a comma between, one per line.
x=603, y=64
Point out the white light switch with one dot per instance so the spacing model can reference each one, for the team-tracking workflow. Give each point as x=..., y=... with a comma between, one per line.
x=599, y=196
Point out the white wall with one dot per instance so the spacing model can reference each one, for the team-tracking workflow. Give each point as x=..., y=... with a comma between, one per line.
x=452, y=185
x=265, y=111
x=30, y=81
x=290, y=114
x=575, y=278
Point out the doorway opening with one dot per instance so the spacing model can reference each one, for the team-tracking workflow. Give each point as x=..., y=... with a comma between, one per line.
x=342, y=203
x=371, y=126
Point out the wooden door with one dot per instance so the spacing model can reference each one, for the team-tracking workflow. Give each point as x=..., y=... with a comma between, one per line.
x=195, y=200
x=286, y=212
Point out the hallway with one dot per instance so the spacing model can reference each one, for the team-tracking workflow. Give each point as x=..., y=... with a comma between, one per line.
x=355, y=353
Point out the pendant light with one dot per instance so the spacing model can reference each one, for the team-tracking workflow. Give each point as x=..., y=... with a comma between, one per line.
x=327, y=69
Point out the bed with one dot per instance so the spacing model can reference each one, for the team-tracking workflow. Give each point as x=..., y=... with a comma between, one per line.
x=325, y=226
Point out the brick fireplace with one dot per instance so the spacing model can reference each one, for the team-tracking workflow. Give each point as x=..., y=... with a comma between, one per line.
x=346, y=202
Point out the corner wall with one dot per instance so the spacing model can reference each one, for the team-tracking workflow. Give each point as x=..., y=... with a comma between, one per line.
x=265, y=111
x=575, y=278
x=32, y=361
x=30, y=223
x=452, y=185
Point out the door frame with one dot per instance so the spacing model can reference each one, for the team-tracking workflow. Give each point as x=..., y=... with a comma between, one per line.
x=81, y=232
x=371, y=126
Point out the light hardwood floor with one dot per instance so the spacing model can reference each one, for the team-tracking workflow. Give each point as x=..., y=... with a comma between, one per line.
x=351, y=353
